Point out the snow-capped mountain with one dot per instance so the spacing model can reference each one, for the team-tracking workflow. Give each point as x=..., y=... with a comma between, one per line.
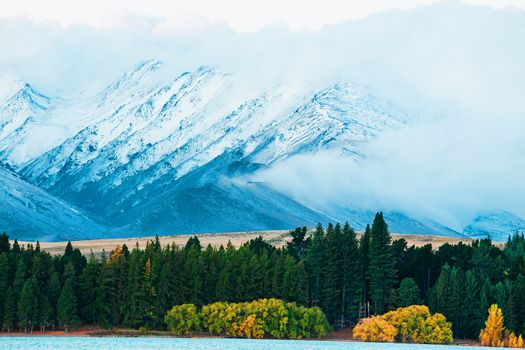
x=157, y=153
x=29, y=212
x=497, y=225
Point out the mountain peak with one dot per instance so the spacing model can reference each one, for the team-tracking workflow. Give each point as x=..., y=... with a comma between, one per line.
x=150, y=65
x=31, y=97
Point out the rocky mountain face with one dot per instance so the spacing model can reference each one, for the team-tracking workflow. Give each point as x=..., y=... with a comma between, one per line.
x=155, y=154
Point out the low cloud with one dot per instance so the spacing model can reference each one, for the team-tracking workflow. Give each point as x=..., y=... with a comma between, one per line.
x=457, y=70
x=448, y=170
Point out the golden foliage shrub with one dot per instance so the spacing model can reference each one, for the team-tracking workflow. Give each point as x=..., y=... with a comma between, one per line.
x=375, y=329
x=412, y=324
x=415, y=324
x=257, y=319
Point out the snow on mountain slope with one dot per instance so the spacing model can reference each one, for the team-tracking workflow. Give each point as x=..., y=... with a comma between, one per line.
x=342, y=117
x=25, y=110
x=497, y=225
x=136, y=152
x=30, y=213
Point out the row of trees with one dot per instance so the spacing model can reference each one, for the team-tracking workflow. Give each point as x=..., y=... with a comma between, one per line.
x=346, y=276
x=257, y=319
x=464, y=294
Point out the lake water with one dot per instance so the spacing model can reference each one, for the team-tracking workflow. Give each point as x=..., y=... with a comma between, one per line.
x=63, y=343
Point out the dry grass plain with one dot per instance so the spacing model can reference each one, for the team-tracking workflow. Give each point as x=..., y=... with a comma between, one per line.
x=277, y=238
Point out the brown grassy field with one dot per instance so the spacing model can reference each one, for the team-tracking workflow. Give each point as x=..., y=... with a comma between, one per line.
x=277, y=238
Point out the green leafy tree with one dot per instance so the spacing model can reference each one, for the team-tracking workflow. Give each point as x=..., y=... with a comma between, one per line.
x=183, y=319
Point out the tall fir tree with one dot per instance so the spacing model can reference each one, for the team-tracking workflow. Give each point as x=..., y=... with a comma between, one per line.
x=486, y=300
x=518, y=293
x=314, y=265
x=364, y=263
x=4, y=243
x=350, y=279
x=331, y=288
x=456, y=310
x=134, y=310
x=4, y=280
x=472, y=306
x=27, y=307
x=10, y=309
x=408, y=293
x=381, y=272
x=67, y=306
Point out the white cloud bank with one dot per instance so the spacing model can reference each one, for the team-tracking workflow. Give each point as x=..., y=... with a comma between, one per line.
x=456, y=69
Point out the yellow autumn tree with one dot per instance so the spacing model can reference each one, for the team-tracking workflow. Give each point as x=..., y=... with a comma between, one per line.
x=492, y=334
x=375, y=329
x=511, y=340
x=415, y=324
x=251, y=327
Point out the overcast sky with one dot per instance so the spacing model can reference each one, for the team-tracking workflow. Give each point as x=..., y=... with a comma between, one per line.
x=241, y=15
x=456, y=68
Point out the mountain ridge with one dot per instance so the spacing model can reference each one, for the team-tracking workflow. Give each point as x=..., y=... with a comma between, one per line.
x=137, y=151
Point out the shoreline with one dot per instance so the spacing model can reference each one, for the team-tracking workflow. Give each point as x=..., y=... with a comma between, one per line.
x=342, y=335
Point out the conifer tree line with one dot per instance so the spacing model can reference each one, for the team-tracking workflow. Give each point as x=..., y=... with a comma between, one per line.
x=347, y=276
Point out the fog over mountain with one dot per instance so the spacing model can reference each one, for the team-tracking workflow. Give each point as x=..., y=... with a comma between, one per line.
x=452, y=75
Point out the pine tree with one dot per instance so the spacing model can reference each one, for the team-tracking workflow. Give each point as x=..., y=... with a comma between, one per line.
x=26, y=307
x=471, y=305
x=4, y=280
x=509, y=309
x=442, y=288
x=45, y=314
x=9, y=320
x=88, y=284
x=364, y=247
x=67, y=306
x=486, y=300
x=331, y=289
x=518, y=293
x=105, y=292
x=408, y=293
x=20, y=275
x=351, y=276
x=314, y=265
x=134, y=310
x=53, y=293
x=165, y=287
x=382, y=273
x=294, y=281
x=4, y=243
x=299, y=243
x=454, y=311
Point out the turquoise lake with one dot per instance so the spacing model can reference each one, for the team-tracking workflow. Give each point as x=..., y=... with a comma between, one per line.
x=63, y=343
